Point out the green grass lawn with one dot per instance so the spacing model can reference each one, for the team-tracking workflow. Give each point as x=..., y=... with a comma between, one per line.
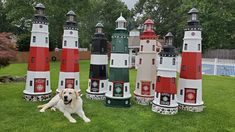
x=17, y=114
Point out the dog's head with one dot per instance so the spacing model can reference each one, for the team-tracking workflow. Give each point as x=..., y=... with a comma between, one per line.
x=68, y=95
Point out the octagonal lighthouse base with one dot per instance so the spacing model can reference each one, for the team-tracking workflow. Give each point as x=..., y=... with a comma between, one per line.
x=95, y=96
x=191, y=108
x=143, y=100
x=36, y=97
x=164, y=110
x=121, y=102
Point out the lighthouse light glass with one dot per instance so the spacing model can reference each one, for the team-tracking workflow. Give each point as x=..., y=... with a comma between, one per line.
x=40, y=11
x=71, y=18
x=99, y=30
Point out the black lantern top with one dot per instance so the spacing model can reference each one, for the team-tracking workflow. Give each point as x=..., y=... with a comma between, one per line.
x=40, y=17
x=99, y=28
x=193, y=22
x=169, y=38
x=168, y=49
x=70, y=22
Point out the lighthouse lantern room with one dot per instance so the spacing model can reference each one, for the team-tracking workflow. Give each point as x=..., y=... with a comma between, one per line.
x=69, y=62
x=189, y=94
x=98, y=76
x=118, y=93
x=146, y=72
x=37, y=86
x=165, y=93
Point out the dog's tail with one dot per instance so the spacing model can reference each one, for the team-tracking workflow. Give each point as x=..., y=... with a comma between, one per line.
x=41, y=106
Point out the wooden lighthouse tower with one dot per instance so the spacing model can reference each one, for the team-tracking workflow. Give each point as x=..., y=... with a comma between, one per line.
x=37, y=86
x=118, y=93
x=189, y=94
x=69, y=66
x=98, y=77
x=165, y=94
x=146, y=72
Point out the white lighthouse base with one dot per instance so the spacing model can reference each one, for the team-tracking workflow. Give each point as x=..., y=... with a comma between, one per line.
x=164, y=109
x=143, y=100
x=36, y=97
x=191, y=108
x=95, y=96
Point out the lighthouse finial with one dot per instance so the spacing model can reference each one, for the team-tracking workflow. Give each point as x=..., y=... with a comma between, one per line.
x=121, y=14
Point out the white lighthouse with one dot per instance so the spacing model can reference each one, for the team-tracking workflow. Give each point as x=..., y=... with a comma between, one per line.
x=37, y=86
x=69, y=66
x=165, y=93
x=146, y=72
x=189, y=93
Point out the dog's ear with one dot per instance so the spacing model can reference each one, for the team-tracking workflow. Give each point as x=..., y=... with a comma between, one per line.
x=78, y=94
x=61, y=93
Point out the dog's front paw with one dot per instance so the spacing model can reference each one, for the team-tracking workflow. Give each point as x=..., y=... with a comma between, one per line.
x=87, y=120
x=42, y=110
x=53, y=109
x=72, y=120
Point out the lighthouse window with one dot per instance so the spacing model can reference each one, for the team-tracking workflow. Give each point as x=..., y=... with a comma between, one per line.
x=110, y=88
x=125, y=88
x=76, y=43
x=141, y=48
x=65, y=43
x=153, y=47
x=158, y=78
x=153, y=61
x=125, y=62
x=112, y=62
x=46, y=39
x=199, y=47
x=161, y=60
x=138, y=85
x=185, y=46
x=140, y=61
x=102, y=85
x=32, y=60
x=61, y=83
x=76, y=82
x=181, y=92
x=173, y=97
x=47, y=82
x=34, y=39
x=31, y=83
x=157, y=94
x=173, y=61
x=153, y=86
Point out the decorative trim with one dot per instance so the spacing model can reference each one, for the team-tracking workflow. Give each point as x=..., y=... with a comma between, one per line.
x=191, y=108
x=143, y=100
x=111, y=102
x=95, y=96
x=164, y=110
x=34, y=98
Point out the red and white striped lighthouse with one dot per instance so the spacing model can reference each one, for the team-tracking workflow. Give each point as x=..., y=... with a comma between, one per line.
x=69, y=66
x=37, y=86
x=189, y=94
x=165, y=93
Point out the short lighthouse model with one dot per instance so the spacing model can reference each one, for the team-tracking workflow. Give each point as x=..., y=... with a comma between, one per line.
x=98, y=77
x=118, y=93
x=146, y=72
x=165, y=94
x=37, y=86
x=69, y=62
x=189, y=93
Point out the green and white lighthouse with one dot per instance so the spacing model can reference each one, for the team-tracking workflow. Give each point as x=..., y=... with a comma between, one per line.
x=118, y=93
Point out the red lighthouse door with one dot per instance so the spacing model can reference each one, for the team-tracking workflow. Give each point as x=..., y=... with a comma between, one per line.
x=190, y=95
x=145, y=88
x=69, y=83
x=39, y=85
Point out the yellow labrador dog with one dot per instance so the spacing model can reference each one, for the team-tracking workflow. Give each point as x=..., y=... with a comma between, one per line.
x=68, y=102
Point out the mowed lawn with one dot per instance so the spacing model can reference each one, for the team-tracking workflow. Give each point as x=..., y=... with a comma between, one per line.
x=17, y=114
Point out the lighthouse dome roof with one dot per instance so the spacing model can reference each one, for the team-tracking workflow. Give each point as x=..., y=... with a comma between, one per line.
x=71, y=13
x=99, y=25
x=121, y=19
x=149, y=21
x=40, y=5
x=169, y=34
x=193, y=10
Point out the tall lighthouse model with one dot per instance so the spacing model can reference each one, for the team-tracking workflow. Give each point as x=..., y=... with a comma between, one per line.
x=189, y=93
x=165, y=94
x=146, y=72
x=38, y=75
x=69, y=66
x=98, y=78
x=118, y=93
